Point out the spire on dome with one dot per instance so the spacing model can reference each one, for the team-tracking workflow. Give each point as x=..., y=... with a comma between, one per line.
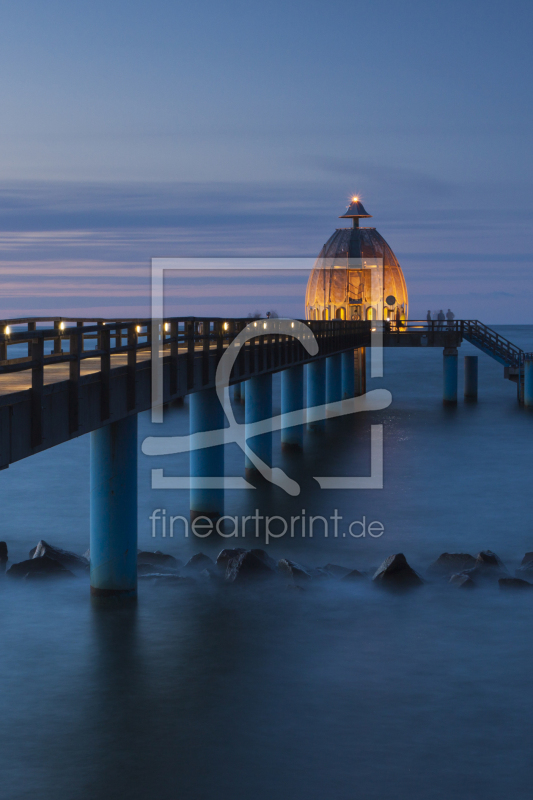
x=355, y=211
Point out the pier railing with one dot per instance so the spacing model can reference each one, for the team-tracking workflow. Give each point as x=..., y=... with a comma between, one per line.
x=194, y=340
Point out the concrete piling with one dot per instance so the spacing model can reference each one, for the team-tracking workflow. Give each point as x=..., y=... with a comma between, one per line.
x=206, y=414
x=471, y=377
x=316, y=393
x=258, y=406
x=450, y=365
x=113, y=508
x=292, y=399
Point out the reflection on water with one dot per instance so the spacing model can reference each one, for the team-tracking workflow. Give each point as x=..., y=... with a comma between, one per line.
x=339, y=691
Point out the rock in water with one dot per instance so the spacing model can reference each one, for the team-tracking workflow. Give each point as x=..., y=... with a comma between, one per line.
x=396, y=573
x=158, y=559
x=227, y=554
x=263, y=556
x=338, y=572
x=66, y=558
x=199, y=562
x=488, y=565
x=462, y=581
x=42, y=567
x=293, y=570
x=514, y=583
x=3, y=552
x=354, y=575
x=525, y=570
x=448, y=564
x=246, y=567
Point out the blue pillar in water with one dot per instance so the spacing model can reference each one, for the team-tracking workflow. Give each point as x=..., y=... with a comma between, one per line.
x=292, y=399
x=206, y=414
x=258, y=406
x=528, y=383
x=113, y=510
x=471, y=365
x=450, y=364
x=334, y=378
x=316, y=392
x=239, y=391
x=348, y=374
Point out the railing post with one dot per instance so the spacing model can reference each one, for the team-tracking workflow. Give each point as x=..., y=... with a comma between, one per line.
x=173, y=358
x=76, y=346
x=105, y=373
x=190, y=353
x=131, y=367
x=37, y=384
x=205, y=350
x=57, y=339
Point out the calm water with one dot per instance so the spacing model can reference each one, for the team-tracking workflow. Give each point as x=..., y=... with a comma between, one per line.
x=338, y=691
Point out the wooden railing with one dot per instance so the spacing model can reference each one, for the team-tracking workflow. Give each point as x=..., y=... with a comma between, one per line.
x=190, y=338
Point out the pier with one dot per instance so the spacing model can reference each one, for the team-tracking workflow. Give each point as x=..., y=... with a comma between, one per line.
x=95, y=377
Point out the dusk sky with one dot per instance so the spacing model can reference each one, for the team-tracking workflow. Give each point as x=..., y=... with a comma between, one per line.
x=132, y=130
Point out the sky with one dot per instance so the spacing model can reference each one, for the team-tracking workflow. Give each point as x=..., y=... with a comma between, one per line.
x=132, y=130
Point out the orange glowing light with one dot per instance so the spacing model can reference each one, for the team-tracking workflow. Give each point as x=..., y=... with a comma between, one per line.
x=355, y=199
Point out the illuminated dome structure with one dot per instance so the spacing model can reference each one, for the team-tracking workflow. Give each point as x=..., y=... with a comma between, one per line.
x=356, y=275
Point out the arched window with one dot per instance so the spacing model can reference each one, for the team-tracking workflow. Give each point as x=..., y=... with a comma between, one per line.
x=370, y=313
x=340, y=313
x=325, y=313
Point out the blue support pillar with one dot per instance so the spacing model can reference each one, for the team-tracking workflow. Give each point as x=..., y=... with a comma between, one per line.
x=258, y=406
x=471, y=365
x=113, y=509
x=316, y=392
x=348, y=374
x=528, y=383
x=292, y=399
x=239, y=392
x=334, y=378
x=450, y=364
x=206, y=414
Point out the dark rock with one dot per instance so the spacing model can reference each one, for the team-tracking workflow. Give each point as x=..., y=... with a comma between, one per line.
x=528, y=559
x=320, y=572
x=451, y=563
x=158, y=559
x=488, y=566
x=66, y=558
x=246, y=567
x=462, y=581
x=514, y=583
x=199, y=562
x=43, y=566
x=3, y=552
x=336, y=571
x=265, y=558
x=227, y=554
x=292, y=570
x=354, y=575
x=396, y=572
x=150, y=569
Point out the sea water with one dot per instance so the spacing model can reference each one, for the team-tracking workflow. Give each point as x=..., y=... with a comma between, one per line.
x=335, y=691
